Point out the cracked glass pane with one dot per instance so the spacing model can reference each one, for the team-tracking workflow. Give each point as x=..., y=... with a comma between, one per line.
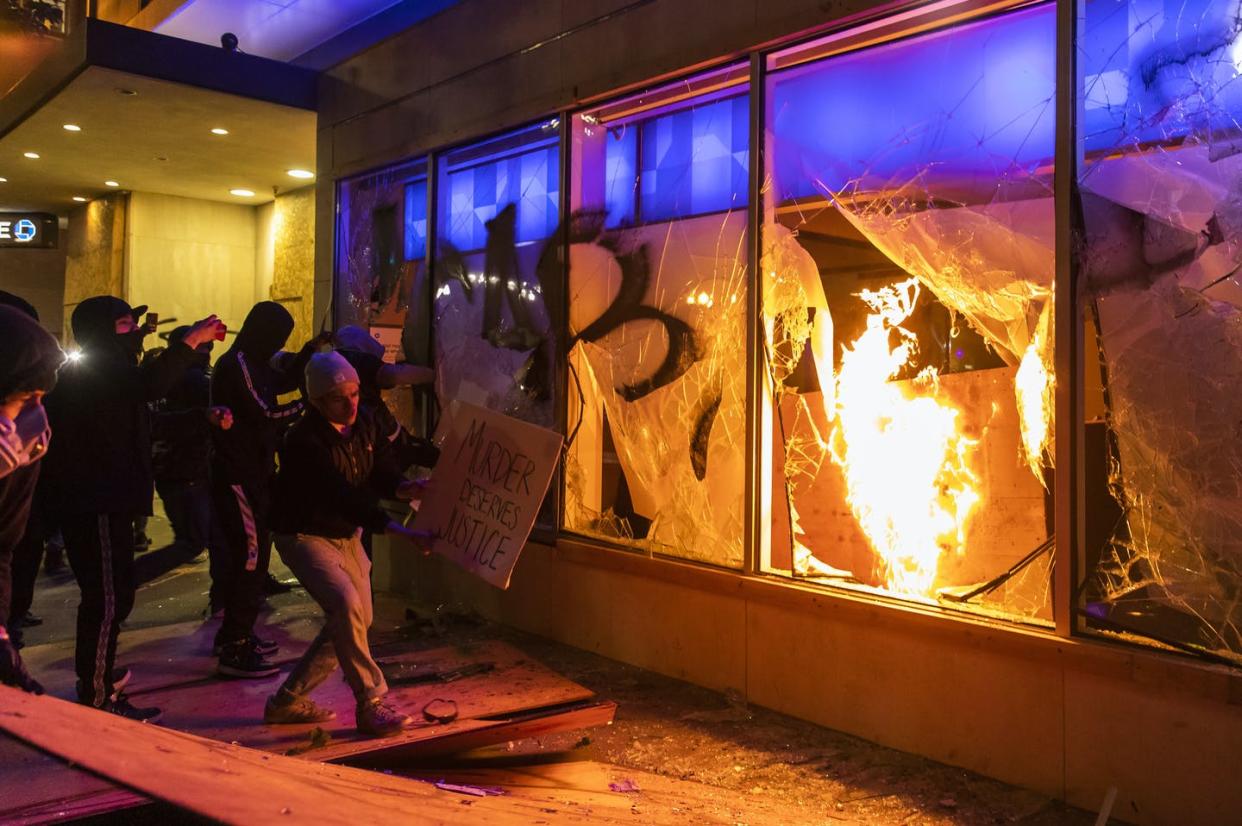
x=657, y=319
x=907, y=271
x=381, y=272
x=1160, y=194
x=498, y=276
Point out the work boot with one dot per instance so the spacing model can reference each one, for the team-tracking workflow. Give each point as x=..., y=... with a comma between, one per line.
x=377, y=719
x=285, y=707
x=241, y=660
x=122, y=707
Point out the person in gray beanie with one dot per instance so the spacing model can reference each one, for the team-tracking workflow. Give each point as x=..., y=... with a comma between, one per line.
x=335, y=466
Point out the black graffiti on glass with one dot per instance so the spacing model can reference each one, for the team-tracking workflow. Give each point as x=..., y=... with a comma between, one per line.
x=500, y=270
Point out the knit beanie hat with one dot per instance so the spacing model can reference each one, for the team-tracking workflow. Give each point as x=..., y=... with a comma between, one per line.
x=327, y=371
x=352, y=337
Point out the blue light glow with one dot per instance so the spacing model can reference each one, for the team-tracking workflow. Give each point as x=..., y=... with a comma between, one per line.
x=969, y=104
x=416, y=220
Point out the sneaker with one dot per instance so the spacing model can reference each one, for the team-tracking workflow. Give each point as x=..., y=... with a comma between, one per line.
x=260, y=645
x=284, y=708
x=377, y=719
x=240, y=660
x=29, y=620
x=120, y=679
x=122, y=707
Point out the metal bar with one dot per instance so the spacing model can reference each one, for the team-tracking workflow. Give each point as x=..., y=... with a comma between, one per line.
x=755, y=527
x=561, y=333
x=1069, y=427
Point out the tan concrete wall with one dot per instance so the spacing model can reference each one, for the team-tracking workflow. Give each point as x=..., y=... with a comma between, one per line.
x=293, y=261
x=1068, y=718
x=188, y=258
x=39, y=277
x=95, y=252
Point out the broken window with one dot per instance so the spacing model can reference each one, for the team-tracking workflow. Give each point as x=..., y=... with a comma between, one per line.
x=907, y=270
x=1160, y=198
x=381, y=272
x=657, y=319
x=498, y=274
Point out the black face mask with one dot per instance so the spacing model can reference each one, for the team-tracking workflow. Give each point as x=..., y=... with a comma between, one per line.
x=131, y=342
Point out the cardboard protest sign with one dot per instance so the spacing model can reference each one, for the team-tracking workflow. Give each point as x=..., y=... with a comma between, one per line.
x=487, y=487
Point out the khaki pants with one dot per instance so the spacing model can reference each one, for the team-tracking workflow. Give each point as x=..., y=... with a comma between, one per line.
x=336, y=572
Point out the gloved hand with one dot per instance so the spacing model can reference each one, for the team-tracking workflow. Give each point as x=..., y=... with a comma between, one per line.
x=12, y=671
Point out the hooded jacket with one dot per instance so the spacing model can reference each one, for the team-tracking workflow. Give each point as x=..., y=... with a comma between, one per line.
x=330, y=484
x=29, y=358
x=100, y=457
x=182, y=435
x=245, y=381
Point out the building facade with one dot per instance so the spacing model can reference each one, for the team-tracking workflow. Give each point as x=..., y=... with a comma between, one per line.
x=894, y=348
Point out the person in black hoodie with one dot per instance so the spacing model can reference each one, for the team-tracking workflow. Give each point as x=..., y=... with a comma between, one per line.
x=243, y=464
x=180, y=455
x=99, y=474
x=29, y=359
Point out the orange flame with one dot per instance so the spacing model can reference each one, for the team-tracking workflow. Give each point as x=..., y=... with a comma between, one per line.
x=907, y=469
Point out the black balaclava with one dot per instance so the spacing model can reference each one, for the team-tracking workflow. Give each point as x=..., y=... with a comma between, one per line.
x=94, y=328
x=264, y=332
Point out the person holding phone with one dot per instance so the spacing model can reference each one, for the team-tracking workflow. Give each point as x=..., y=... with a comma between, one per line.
x=100, y=477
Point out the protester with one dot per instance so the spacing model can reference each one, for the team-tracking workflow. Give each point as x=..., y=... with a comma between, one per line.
x=27, y=553
x=334, y=467
x=100, y=475
x=180, y=457
x=366, y=356
x=29, y=359
x=243, y=464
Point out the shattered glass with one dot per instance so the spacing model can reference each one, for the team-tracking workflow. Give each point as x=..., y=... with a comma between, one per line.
x=907, y=306
x=657, y=320
x=381, y=271
x=1160, y=197
x=497, y=273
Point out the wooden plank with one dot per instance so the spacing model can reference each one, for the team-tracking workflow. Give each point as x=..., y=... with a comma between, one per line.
x=237, y=785
x=232, y=711
x=494, y=706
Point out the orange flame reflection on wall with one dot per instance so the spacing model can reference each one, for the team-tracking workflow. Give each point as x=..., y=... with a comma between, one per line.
x=907, y=468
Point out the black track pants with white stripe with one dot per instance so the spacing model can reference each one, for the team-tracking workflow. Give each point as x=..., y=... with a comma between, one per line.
x=100, y=548
x=242, y=510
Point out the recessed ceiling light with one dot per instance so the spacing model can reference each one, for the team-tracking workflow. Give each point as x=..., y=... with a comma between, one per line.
x=129, y=93
x=4, y=180
x=303, y=174
x=34, y=156
x=79, y=199
x=72, y=127
x=111, y=183
x=219, y=131
x=241, y=193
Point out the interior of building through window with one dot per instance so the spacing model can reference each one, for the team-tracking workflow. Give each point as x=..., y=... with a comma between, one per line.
x=657, y=322
x=907, y=273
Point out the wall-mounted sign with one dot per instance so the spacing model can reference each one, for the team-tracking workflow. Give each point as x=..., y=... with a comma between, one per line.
x=35, y=230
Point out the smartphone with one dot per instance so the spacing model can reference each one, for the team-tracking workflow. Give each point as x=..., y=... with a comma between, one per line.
x=153, y=321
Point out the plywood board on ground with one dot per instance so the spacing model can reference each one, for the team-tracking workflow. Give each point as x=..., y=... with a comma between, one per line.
x=234, y=784
x=233, y=711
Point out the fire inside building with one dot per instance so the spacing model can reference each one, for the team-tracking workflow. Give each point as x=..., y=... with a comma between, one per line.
x=871, y=362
